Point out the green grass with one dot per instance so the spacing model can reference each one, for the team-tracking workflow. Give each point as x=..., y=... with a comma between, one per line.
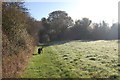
x=75, y=59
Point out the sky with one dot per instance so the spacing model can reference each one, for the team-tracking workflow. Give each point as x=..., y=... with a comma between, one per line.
x=95, y=10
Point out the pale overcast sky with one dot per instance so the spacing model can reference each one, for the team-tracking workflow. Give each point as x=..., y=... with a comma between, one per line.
x=96, y=10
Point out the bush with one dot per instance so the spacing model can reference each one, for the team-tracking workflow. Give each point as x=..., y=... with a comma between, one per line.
x=18, y=44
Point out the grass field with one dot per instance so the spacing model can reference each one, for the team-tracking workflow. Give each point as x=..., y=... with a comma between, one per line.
x=75, y=59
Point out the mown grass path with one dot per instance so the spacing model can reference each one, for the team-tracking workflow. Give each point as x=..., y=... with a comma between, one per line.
x=75, y=59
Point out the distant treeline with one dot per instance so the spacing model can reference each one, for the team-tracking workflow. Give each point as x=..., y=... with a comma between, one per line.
x=60, y=26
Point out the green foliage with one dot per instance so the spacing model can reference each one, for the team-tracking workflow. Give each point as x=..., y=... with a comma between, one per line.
x=58, y=22
x=84, y=29
x=44, y=32
x=59, y=26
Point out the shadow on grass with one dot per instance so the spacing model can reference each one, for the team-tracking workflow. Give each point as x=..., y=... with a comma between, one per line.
x=34, y=54
x=61, y=42
x=65, y=41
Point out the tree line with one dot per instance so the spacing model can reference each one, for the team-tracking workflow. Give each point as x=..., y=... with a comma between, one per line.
x=60, y=26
